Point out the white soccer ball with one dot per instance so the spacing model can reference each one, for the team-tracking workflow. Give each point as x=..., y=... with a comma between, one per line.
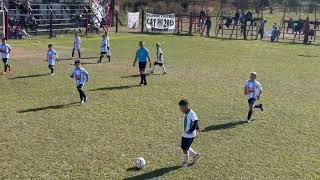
x=140, y=163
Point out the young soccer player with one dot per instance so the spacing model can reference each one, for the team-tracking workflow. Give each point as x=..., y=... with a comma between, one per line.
x=5, y=51
x=76, y=45
x=142, y=55
x=159, y=60
x=51, y=58
x=105, y=49
x=253, y=90
x=190, y=127
x=81, y=76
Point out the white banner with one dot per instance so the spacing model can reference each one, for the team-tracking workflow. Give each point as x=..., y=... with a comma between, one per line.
x=160, y=22
x=133, y=20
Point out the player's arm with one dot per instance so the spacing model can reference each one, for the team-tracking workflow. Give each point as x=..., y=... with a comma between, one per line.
x=72, y=74
x=135, y=60
x=149, y=59
x=260, y=91
x=87, y=75
x=245, y=89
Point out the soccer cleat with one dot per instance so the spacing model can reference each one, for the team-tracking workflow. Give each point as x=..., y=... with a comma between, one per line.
x=98, y=61
x=249, y=120
x=165, y=72
x=145, y=83
x=86, y=99
x=184, y=164
x=52, y=74
x=82, y=102
x=195, y=158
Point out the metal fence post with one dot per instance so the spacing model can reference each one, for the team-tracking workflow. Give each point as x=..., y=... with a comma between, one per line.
x=142, y=24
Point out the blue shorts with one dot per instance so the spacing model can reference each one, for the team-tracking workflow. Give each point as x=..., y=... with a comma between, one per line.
x=142, y=66
x=186, y=143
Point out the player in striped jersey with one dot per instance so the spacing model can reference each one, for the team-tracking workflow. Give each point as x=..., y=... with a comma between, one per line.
x=105, y=49
x=76, y=45
x=253, y=90
x=51, y=58
x=190, y=127
x=159, y=60
x=81, y=76
x=5, y=51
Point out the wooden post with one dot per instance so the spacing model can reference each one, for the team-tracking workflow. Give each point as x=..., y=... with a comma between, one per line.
x=6, y=22
x=117, y=21
x=51, y=23
x=87, y=20
x=190, y=25
x=142, y=23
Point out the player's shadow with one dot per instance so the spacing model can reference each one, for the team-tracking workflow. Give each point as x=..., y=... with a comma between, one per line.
x=60, y=106
x=115, y=88
x=133, y=76
x=308, y=55
x=30, y=76
x=227, y=125
x=153, y=174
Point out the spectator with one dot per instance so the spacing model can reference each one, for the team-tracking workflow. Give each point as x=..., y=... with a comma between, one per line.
x=228, y=21
x=237, y=17
x=274, y=34
x=208, y=25
x=306, y=31
x=261, y=28
x=290, y=25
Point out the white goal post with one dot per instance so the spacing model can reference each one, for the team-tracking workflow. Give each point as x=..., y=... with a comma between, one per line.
x=2, y=24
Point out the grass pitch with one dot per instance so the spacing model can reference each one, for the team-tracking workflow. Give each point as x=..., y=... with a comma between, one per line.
x=46, y=134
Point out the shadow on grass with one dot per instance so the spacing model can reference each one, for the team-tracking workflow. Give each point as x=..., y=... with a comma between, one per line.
x=115, y=88
x=228, y=125
x=307, y=55
x=132, y=76
x=30, y=76
x=61, y=106
x=153, y=174
x=87, y=63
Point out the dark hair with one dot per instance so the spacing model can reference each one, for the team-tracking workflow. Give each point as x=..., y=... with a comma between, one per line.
x=77, y=62
x=50, y=45
x=140, y=42
x=183, y=102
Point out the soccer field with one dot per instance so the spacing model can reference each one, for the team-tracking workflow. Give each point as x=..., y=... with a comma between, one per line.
x=46, y=134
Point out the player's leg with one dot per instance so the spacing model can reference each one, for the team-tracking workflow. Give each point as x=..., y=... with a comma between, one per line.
x=5, y=65
x=72, y=55
x=51, y=67
x=163, y=68
x=101, y=56
x=259, y=106
x=251, y=103
x=79, y=53
x=185, y=146
x=81, y=93
x=144, y=74
x=154, y=67
x=141, y=72
x=8, y=65
x=109, y=57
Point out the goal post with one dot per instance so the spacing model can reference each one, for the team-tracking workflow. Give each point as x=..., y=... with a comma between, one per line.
x=3, y=24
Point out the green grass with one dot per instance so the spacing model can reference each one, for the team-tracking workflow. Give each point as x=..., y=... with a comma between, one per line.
x=44, y=135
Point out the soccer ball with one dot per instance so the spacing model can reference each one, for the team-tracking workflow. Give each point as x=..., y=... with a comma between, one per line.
x=139, y=163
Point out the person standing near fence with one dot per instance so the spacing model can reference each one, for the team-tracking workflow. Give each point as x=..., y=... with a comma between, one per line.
x=51, y=58
x=208, y=26
x=306, y=31
x=142, y=56
x=76, y=44
x=5, y=51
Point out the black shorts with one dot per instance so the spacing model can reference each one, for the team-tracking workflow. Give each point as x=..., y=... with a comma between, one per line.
x=5, y=61
x=80, y=86
x=105, y=53
x=156, y=63
x=186, y=143
x=50, y=66
x=142, y=66
x=251, y=101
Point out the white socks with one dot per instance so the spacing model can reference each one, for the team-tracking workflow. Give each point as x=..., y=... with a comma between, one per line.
x=185, y=158
x=192, y=152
